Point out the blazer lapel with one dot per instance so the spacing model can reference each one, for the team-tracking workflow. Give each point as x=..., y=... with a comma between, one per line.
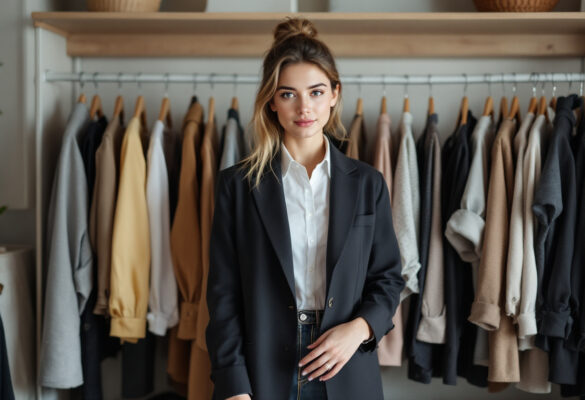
x=269, y=197
x=343, y=194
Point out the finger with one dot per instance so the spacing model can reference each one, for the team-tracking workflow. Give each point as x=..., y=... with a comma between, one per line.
x=332, y=372
x=314, y=365
x=325, y=367
x=315, y=353
x=319, y=340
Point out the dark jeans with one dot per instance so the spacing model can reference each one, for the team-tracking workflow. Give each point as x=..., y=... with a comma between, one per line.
x=308, y=330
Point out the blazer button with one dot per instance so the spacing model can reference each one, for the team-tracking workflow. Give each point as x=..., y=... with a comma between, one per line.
x=330, y=302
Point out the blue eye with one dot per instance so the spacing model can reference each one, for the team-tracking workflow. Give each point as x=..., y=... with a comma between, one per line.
x=317, y=91
x=284, y=95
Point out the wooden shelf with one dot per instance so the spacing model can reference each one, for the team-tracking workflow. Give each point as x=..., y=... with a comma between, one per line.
x=98, y=34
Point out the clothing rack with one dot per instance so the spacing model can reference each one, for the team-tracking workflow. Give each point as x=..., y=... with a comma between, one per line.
x=139, y=78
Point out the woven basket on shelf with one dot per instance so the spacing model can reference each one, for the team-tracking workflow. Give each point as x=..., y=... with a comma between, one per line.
x=123, y=5
x=515, y=5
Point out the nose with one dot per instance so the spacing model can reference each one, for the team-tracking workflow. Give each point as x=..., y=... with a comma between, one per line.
x=304, y=106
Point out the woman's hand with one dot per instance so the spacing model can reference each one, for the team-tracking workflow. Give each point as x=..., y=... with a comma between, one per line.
x=240, y=397
x=334, y=348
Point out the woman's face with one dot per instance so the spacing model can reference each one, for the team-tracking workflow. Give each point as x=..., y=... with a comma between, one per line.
x=303, y=100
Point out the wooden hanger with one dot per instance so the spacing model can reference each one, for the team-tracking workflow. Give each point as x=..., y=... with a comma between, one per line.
x=553, y=103
x=488, y=108
x=503, y=107
x=383, y=108
x=96, y=107
x=119, y=108
x=211, y=112
x=359, y=109
x=165, y=112
x=81, y=98
x=463, y=111
x=139, y=111
x=514, y=108
x=431, y=105
x=406, y=105
x=234, y=104
x=533, y=105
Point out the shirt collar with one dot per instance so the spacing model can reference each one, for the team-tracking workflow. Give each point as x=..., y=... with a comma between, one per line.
x=287, y=160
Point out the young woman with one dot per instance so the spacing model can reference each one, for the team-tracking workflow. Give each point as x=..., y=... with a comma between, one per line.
x=304, y=266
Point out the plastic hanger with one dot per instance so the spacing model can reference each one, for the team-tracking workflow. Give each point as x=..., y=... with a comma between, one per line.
x=96, y=107
x=532, y=106
x=139, y=111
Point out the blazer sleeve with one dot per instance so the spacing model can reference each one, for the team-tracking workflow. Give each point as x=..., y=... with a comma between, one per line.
x=381, y=294
x=224, y=331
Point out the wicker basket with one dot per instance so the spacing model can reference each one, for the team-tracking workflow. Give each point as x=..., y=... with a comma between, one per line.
x=123, y=5
x=515, y=5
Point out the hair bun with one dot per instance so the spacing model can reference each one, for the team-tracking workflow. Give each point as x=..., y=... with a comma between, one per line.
x=292, y=27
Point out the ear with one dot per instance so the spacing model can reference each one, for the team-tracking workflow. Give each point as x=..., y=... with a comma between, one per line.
x=335, y=95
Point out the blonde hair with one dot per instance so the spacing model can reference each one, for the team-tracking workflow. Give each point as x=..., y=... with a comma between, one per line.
x=294, y=42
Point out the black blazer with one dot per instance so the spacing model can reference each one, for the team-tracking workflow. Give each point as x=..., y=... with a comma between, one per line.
x=251, y=336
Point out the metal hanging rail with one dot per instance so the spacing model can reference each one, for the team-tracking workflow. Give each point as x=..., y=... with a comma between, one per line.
x=139, y=78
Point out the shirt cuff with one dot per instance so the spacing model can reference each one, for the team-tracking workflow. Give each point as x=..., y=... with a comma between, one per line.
x=432, y=329
x=526, y=325
x=128, y=328
x=464, y=232
x=485, y=315
x=556, y=323
x=158, y=323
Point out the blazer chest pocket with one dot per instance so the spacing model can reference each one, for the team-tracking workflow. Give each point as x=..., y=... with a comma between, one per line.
x=364, y=220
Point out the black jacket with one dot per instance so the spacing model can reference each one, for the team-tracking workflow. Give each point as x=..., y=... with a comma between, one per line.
x=251, y=295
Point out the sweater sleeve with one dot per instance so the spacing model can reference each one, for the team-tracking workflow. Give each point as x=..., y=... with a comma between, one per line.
x=130, y=243
x=406, y=209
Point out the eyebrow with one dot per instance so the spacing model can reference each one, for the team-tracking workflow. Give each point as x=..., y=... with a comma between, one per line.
x=292, y=88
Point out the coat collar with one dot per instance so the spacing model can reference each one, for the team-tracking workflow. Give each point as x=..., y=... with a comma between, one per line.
x=343, y=192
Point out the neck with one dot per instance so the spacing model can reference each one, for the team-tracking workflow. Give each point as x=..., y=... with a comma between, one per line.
x=307, y=151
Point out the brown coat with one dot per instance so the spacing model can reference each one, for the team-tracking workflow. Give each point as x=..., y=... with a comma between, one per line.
x=488, y=308
x=356, y=148
x=185, y=247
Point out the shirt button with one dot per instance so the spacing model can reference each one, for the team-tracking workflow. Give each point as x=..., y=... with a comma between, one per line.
x=330, y=302
x=303, y=317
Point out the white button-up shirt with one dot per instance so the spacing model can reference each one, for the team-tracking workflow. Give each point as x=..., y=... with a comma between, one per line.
x=307, y=207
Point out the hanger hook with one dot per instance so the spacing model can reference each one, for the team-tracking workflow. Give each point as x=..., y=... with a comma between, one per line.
x=406, y=86
x=235, y=84
x=384, y=85
x=543, y=84
x=167, y=79
x=137, y=80
x=515, y=84
x=211, y=83
x=430, y=85
x=359, y=85
x=119, y=82
x=81, y=82
x=488, y=79
x=503, y=84
x=465, y=85
x=581, y=88
x=95, y=81
x=554, y=89
x=194, y=82
x=533, y=78
x=570, y=79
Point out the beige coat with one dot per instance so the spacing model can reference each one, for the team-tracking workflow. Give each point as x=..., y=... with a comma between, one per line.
x=488, y=307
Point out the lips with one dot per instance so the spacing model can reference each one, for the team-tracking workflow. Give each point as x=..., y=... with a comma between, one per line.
x=304, y=123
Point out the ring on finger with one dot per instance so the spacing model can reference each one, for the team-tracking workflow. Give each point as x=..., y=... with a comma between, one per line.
x=327, y=366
